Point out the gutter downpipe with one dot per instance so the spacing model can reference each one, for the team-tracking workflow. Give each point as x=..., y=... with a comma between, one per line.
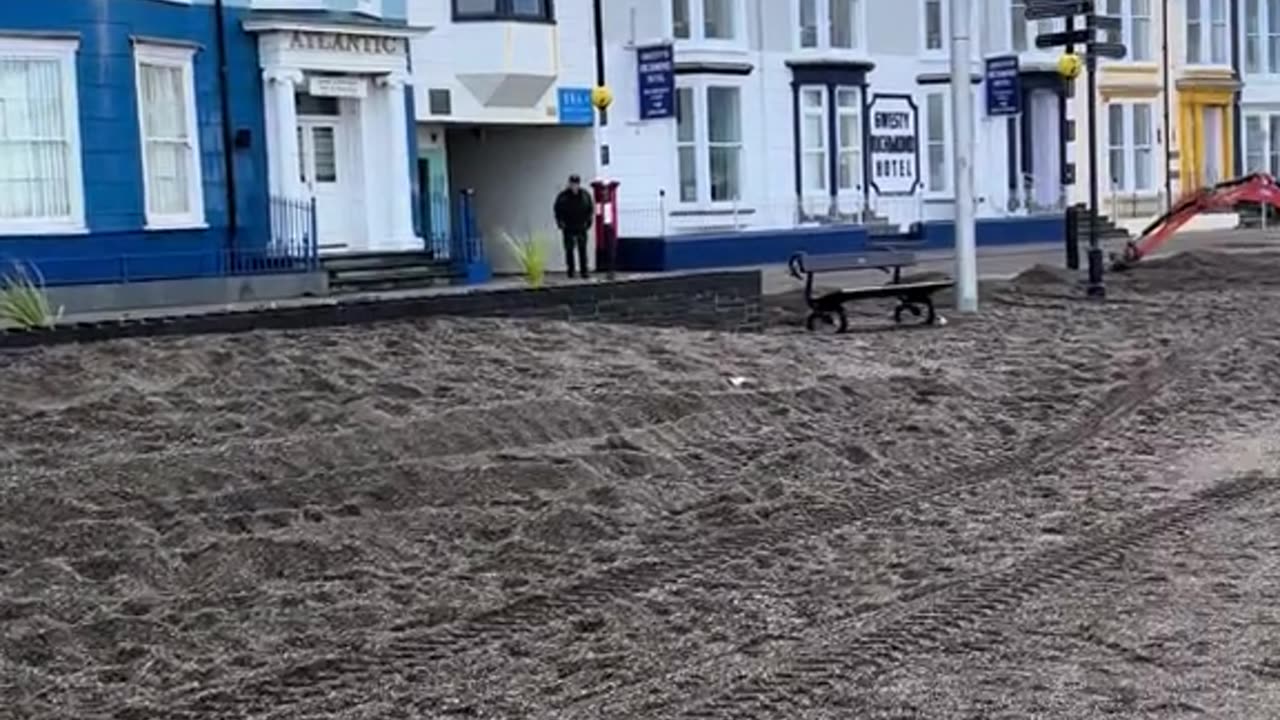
x=1168, y=129
x=228, y=141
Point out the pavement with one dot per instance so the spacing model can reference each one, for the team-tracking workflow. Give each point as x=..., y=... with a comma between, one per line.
x=994, y=263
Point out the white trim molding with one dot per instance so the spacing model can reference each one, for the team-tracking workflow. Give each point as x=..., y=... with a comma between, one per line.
x=63, y=51
x=181, y=59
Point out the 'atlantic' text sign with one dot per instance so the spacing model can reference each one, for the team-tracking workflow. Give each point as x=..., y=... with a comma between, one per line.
x=346, y=42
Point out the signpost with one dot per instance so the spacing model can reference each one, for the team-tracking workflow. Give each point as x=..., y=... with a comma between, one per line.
x=1094, y=48
x=894, y=145
x=1004, y=87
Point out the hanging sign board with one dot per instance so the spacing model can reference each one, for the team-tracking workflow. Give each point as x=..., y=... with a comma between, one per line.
x=893, y=144
x=1004, y=88
x=656, y=78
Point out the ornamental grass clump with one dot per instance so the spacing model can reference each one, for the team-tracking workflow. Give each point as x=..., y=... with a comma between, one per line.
x=531, y=252
x=23, y=300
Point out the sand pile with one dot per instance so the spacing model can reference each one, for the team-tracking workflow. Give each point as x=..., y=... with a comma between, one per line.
x=525, y=519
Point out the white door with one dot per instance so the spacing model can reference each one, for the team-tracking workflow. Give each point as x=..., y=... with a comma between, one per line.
x=1046, y=149
x=1212, y=138
x=324, y=171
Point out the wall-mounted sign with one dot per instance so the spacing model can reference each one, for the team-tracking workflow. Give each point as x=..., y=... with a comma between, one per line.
x=574, y=106
x=340, y=87
x=347, y=43
x=656, y=72
x=893, y=144
x=1004, y=91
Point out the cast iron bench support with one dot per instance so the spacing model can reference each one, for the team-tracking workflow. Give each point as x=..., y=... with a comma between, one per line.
x=913, y=297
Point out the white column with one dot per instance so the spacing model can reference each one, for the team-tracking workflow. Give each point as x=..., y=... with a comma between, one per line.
x=282, y=132
x=398, y=181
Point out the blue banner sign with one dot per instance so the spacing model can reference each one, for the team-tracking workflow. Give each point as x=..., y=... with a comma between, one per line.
x=656, y=70
x=575, y=106
x=1004, y=88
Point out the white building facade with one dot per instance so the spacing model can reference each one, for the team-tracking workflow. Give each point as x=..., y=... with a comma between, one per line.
x=793, y=113
x=336, y=109
x=503, y=110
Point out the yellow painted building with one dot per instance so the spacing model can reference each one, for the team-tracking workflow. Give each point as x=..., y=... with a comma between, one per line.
x=1142, y=159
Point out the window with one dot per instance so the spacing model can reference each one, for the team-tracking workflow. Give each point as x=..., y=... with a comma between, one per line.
x=936, y=142
x=849, y=139
x=536, y=10
x=934, y=25
x=1207, y=33
x=1023, y=32
x=41, y=189
x=687, y=145
x=170, y=149
x=839, y=27
x=1131, y=146
x=1135, y=27
x=1262, y=36
x=1262, y=143
x=711, y=20
x=813, y=140
x=709, y=143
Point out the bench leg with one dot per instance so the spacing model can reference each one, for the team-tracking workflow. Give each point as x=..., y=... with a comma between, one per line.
x=914, y=307
x=836, y=316
x=909, y=306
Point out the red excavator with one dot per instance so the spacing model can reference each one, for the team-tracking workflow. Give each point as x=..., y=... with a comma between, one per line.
x=1259, y=188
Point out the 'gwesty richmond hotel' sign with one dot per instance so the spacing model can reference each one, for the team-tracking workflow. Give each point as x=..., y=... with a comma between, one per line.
x=893, y=144
x=346, y=43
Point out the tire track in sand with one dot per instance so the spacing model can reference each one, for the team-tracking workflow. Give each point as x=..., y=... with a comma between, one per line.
x=416, y=650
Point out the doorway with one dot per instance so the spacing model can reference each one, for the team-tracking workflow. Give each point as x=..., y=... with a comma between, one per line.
x=1042, y=150
x=323, y=170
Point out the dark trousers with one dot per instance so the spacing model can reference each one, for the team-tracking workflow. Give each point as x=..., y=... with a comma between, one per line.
x=576, y=240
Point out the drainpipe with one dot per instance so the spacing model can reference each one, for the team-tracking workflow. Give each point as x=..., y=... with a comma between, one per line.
x=1168, y=129
x=228, y=141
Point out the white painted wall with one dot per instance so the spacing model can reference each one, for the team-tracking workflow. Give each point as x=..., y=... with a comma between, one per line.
x=516, y=173
x=644, y=153
x=521, y=63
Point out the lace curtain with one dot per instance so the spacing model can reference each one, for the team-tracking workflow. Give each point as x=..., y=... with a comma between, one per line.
x=35, y=182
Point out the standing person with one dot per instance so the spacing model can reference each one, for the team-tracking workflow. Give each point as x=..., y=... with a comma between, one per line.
x=574, y=210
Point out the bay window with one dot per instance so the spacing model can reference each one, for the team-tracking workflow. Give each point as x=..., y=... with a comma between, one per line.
x=1262, y=143
x=1262, y=36
x=936, y=120
x=719, y=21
x=848, y=140
x=41, y=188
x=830, y=24
x=1135, y=27
x=529, y=10
x=1131, y=146
x=709, y=143
x=1023, y=32
x=170, y=146
x=935, y=26
x=814, y=159
x=1207, y=32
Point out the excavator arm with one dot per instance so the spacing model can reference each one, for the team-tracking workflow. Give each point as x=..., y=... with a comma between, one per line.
x=1258, y=188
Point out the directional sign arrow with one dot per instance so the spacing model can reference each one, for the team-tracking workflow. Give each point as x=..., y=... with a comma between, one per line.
x=1115, y=51
x=1063, y=39
x=1045, y=9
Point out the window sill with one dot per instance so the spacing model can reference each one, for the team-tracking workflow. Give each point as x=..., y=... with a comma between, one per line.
x=50, y=229
x=694, y=210
x=177, y=224
x=711, y=47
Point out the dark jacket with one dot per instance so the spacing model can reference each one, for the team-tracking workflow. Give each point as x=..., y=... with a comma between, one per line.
x=574, y=210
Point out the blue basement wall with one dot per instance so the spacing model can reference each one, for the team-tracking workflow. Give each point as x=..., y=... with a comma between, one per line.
x=116, y=246
x=765, y=247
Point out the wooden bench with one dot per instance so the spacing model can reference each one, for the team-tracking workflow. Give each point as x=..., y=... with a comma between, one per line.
x=913, y=297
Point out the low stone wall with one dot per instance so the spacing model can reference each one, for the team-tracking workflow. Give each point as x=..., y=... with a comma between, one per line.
x=729, y=301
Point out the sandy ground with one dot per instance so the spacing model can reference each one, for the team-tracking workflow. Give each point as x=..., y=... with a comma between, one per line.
x=1056, y=509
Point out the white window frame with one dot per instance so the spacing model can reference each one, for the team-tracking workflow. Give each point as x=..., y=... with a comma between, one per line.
x=182, y=58
x=1205, y=29
x=1265, y=32
x=944, y=15
x=937, y=187
x=697, y=88
x=1128, y=147
x=823, y=189
x=697, y=13
x=63, y=51
x=1017, y=13
x=854, y=148
x=1270, y=143
x=822, y=10
x=1126, y=11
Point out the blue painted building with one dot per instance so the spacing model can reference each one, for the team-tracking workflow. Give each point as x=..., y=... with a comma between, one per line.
x=175, y=138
